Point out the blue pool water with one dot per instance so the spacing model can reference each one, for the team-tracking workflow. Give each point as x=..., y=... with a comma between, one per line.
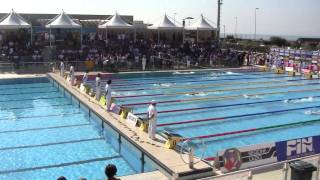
x=269, y=92
x=45, y=134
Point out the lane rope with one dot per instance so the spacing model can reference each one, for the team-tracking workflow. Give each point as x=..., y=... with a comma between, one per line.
x=232, y=117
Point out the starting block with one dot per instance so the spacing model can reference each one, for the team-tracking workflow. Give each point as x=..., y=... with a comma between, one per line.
x=103, y=101
x=124, y=112
x=264, y=68
x=279, y=71
x=292, y=73
x=143, y=124
x=171, y=139
x=308, y=75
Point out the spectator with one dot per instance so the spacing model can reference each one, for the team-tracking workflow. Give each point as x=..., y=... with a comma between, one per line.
x=111, y=171
x=62, y=178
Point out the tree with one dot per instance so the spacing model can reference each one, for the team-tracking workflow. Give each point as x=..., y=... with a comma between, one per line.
x=275, y=40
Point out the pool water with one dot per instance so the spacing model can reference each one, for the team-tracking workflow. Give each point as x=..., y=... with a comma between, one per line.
x=44, y=134
x=227, y=102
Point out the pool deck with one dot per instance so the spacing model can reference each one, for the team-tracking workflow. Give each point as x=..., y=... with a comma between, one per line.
x=168, y=161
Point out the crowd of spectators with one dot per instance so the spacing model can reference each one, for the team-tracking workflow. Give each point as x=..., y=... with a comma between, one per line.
x=122, y=53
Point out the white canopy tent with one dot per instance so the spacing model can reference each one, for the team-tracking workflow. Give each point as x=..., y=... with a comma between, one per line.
x=116, y=22
x=164, y=24
x=201, y=25
x=63, y=21
x=14, y=21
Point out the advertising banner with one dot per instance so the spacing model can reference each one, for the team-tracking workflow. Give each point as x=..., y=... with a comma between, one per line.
x=246, y=157
x=292, y=149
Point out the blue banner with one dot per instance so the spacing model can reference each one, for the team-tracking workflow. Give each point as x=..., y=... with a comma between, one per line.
x=296, y=148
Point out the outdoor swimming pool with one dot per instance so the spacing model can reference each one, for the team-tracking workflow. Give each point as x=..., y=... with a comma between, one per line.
x=225, y=109
x=45, y=133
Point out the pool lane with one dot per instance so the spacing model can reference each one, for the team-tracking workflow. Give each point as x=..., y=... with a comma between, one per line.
x=44, y=135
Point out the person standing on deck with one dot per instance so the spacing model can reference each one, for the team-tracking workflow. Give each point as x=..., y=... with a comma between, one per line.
x=72, y=76
x=61, y=68
x=144, y=62
x=108, y=94
x=98, y=87
x=152, y=115
x=85, y=78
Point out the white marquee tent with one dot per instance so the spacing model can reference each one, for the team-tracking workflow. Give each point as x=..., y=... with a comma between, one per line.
x=116, y=22
x=201, y=25
x=63, y=21
x=15, y=21
x=164, y=24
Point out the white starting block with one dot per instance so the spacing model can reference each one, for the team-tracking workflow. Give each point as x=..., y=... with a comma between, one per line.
x=171, y=139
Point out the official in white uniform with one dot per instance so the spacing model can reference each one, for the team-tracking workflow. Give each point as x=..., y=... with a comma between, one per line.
x=144, y=62
x=85, y=78
x=108, y=94
x=72, y=76
x=98, y=87
x=61, y=68
x=152, y=115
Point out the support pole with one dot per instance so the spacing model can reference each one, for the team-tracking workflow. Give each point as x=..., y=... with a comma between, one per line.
x=218, y=19
x=197, y=36
x=191, y=159
x=31, y=36
x=50, y=36
x=81, y=37
x=106, y=35
x=158, y=36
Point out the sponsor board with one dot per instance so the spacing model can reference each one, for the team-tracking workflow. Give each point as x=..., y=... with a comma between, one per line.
x=115, y=108
x=132, y=119
x=289, y=69
x=246, y=157
x=297, y=148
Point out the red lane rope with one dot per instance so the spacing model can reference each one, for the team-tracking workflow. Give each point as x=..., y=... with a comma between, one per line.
x=220, y=134
x=144, y=103
x=143, y=95
x=192, y=121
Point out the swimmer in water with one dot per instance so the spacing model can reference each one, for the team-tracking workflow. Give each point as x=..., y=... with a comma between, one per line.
x=312, y=112
x=302, y=100
x=197, y=94
x=252, y=97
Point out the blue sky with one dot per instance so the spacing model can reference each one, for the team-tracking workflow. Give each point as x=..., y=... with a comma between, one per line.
x=279, y=17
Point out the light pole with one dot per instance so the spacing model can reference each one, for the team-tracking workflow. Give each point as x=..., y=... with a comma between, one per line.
x=224, y=31
x=255, y=23
x=235, y=27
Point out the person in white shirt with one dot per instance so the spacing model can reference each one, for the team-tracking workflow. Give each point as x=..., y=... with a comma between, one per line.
x=85, y=78
x=188, y=62
x=144, y=62
x=72, y=76
x=98, y=87
x=152, y=116
x=61, y=68
x=108, y=94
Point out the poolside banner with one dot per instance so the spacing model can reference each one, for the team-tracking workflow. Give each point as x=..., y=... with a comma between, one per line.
x=132, y=119
x=296, y=148
x=242, y=158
